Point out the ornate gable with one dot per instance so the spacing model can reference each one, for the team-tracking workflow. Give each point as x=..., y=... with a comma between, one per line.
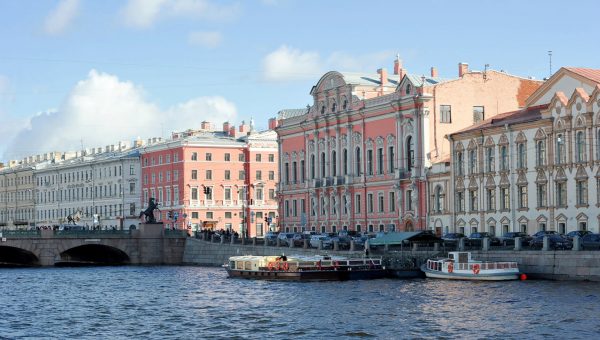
x=558, y=105
x=560, y=175
x=540, y=134
x=503, y=140
x=577, y=102
x=504, y=180
x=460, y=184
x=490, y=182
x=521, y=138
x=522, y=179
x=489, y=142
x=541, y=177
x=472, y=145
x=561, y=218
x=504, y=220
x=459, y=147
x=581, y=173
x=473, y=183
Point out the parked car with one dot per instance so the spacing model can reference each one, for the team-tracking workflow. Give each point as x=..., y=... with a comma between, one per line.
x=556, y=241
x=285, y=239
x=543, y=233
x=314, y=241
x=343, y=241
x=509, y=238
x=590, y=241
x=477, y=238
x=271, y=237
x=580, y=233
x=298, y=239
x=359, y=241
x=453, y=237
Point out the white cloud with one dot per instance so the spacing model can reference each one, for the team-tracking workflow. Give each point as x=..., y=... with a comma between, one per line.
x=287, y=63
x=102, y=109
x=206, y=39
x=144, y=13
x=61, y=17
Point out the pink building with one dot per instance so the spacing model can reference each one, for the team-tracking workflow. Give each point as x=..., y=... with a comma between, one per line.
x=356, y=159
x=214, y=179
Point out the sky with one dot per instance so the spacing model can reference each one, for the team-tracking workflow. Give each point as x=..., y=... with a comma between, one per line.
x=80, y=74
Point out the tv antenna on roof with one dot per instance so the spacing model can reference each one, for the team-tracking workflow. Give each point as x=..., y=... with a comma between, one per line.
x=550, y=60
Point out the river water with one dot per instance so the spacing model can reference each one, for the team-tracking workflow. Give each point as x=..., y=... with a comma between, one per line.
x=200, y=302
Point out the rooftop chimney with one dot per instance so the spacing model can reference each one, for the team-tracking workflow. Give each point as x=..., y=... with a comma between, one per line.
x=226, y=128
x=272, y=123
x=434, y=72
x=205, y=125
x=398, y=70
x=463, y=68
x=383, y=76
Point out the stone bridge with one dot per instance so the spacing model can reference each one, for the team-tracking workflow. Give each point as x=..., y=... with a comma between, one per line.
x=149, y=245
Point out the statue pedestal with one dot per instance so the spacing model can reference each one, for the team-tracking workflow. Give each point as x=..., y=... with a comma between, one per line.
x=151, y=230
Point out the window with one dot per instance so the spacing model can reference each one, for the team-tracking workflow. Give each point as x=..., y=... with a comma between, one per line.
x=472, y=161
x=194, y=193
x=370, y=203
x=521, y=156
x=473, y=200
x=345, y=162
x=504, y=198
x=582, y=192
x=333, y=163
x=489, y=159
x=491, y=199
x=209, y=215
x=175, y=157
x=380, y=203
x=131, y=188
x=409, y=203
x=478, y=114
x=271, y=194
x=258, y=157
x=271, y=175
x=227, y=194
x=241, y=157
x=380, y=161
x=323, y=171
x=541, y=196
x=194, y=156
x=561, y=194
x=131, y=170
x=370, y=162
x=228, y=214
x=286, y=168
x=228, y=174
x=392, y=201
x=459, y=163
x=580, y=146
x=522, y=196
x=227, y=157
x=560, y=150
x=357, y=204
x=208, y=157
x=271, y=158
x=260, y=196
x=582, y=225
x=208, y=174
x=312, y=166
x=503, y=158
x=176, y=175
x=358, y=165
x=302, y=176
x=540, y=150
x=460, y=201
x=410, y=153
x=391, y=166
x=259, y=174
x=445, y=114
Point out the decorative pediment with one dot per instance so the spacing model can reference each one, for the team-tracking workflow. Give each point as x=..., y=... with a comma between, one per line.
x=311, y=146
x=344, y=139
x=472, y=145
x=473, y=183
x=560, y=175
x=580, y=121
x=489, y=142
x=558, y=104
x=459, y=147
x=391, y=139
x=504, y=220
x=332, y=144
x=322, y=144
x=578, y=101
x=460, y=222
x=540, y=134
x=521, y=137
x=369, y=143
x=473, y=222
x=490, y=182
x=294, y=156
x=581, y=217
x=503, y=140
x=460, y=184
x=286, y=157
x=379, y=141
x=491, y=221
x=523, y=219
x=357, y=138
x=302, y=154
x=561, y=218
x=559, y=125
x=408, y=127
x=541, y=177
x=541, y=218
x=504, y=181
x=581, y=173
x=522, y=179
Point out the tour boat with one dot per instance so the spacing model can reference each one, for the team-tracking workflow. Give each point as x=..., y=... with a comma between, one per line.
x=460, y=266
x=305, y=268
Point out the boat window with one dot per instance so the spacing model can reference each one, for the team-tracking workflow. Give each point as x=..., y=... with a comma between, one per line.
x=451, y=256
x=232, y=264
x=463, y=257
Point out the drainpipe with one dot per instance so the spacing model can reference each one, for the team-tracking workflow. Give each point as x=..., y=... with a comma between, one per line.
x=512, y=166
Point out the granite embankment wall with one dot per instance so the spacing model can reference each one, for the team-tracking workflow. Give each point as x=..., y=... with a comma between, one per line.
x=552, y=265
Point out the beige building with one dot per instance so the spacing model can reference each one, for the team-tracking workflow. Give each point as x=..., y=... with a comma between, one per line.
x=17, y=197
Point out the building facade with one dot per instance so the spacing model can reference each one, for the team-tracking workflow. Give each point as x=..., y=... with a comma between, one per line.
x=17, y=197
x=214, y=179
x=356, y=158
x=529, y=170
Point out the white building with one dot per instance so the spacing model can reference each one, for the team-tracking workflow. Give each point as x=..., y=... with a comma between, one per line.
x=102, y=185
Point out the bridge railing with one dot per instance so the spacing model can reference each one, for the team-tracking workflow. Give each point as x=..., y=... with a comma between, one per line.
x=175, y=233
x=100, y=233
x=21, y=233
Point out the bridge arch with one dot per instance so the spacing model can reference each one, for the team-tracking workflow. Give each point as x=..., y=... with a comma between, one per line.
x=17, y=257
x=93, y=254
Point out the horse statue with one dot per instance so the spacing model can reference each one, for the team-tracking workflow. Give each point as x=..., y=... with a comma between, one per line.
x=74, y=218
x=149, y=212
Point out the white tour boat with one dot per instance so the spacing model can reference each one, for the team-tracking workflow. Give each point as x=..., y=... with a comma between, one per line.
x=460, y=266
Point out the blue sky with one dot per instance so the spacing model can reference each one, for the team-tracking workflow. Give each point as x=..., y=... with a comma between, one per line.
x=89, y=73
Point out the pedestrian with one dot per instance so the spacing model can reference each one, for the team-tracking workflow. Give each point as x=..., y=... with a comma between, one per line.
x=366, y=252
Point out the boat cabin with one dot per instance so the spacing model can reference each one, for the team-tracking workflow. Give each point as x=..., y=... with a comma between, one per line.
x=460, y=256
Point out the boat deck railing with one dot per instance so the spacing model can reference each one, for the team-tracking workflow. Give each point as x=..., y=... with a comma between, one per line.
x=439, y=264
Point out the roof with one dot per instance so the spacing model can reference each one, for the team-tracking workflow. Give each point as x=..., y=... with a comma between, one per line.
x=589, y=73
x=289, y=113
x=417, y=80
x=367, y=79
x=512, y=117
x=396, y=238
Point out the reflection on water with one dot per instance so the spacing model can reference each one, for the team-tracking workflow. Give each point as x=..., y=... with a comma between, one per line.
x=196, y=302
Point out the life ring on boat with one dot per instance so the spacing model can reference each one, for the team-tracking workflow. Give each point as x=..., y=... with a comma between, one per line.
x=285, y=266
x=476, y=269
x=271, y=266
x=336, y=264
x=450, y=267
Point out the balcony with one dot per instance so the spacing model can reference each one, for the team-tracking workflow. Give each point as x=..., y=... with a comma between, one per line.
x=402, y=173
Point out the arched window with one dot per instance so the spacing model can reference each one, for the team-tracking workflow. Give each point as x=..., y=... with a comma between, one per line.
x=560, y=149
x=472, y=161
x=459, y=163
x=322, y=164
x=521, y=154
x=540, y=152
x=438, y=199
x=333, y=106
x=333, y=163
x=345, y=161
x=358, y=165
x=580, y=146
x=503, y=158
x=312, y=166
x=410, y=153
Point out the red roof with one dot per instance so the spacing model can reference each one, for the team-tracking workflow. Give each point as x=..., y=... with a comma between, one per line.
x=589, y=73
x=520, y=116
